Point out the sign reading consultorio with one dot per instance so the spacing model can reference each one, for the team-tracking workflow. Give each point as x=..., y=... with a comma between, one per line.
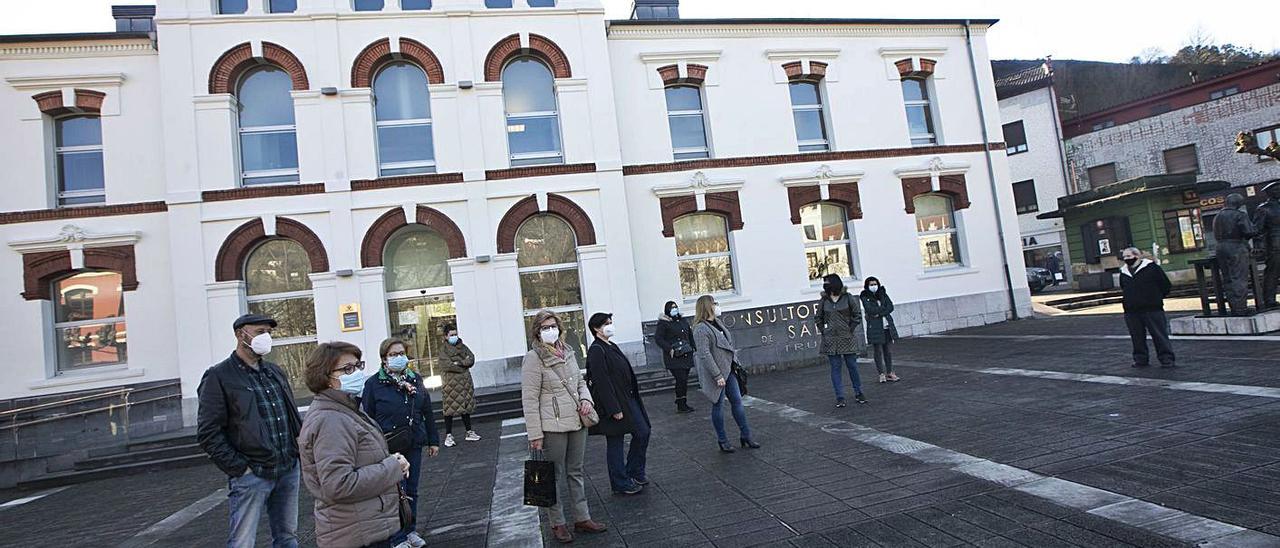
x=771, y=337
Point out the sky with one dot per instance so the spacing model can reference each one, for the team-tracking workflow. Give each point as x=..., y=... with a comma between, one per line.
x=1100, y=30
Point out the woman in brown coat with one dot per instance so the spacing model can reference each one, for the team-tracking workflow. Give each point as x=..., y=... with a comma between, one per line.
x=345, y=462
x=459, y=392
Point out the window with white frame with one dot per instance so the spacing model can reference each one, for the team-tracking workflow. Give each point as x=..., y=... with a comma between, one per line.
x=419, y=293
x=936, y=231
x=89, y=321
x=688, y=123
x=547, y=260
x=268, y=136
x=282, y=6
x=704, y=257
x=231, y=7
x=533, y=117
x=915, y=94
x=278, y=284
x=1265, y=137
x=78, y=147
x=806, y=110
x=402, y=107
x=826, y=240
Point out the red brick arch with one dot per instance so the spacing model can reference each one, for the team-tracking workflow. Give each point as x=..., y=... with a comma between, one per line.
x=375, y=240
x=540, y=47
x=950, y=185
x=377, y=54
x=41, y=269
x=721, y=203
x=236, y=248
x=842, y=194
x=87, y=102
x=557, y=205
x=233, y=64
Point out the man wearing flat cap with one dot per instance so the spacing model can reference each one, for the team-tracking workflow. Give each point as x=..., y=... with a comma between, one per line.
x=248, y=424
x=1266, y=220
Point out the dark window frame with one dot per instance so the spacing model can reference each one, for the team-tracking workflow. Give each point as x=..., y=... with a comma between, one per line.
x=1115, y=174
x=1010, y=146
x=1273, y=133
x=1174, y=238
x=1024, y=207
x=1195, y=153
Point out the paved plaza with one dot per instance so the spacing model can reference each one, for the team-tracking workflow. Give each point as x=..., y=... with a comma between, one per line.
x=1031, y=433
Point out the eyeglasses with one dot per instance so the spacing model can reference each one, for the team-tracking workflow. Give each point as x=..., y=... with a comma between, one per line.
x=396, y=354
x=349, y=368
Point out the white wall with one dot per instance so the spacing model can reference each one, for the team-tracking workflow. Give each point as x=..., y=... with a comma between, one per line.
x=1042, y=162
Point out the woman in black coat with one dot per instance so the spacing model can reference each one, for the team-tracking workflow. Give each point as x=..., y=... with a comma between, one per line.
x=675, y=337
x=617, y=397
x=881, y=333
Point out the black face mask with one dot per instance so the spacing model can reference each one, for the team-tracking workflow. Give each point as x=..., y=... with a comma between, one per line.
x=1131, y=262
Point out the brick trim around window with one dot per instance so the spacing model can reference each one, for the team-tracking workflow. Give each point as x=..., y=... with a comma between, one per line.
x=39, y=270
x=229, y=264
x=538, y=171
x=695, y=75
x=227, y=70
x=377, y=54
x=950, y=185
x=843, y=194
x=399, y=181
x=80, y=212
x=795, y=71
x=264, y=191
x=721, y=203
x=906, y=68
x=375, y=240
x=87, y=102
x=556, y=205
x=540, y=47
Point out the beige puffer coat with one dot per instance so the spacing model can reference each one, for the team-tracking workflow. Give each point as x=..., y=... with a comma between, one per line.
x=346, y=467
x=548, y=405
x=458, y=392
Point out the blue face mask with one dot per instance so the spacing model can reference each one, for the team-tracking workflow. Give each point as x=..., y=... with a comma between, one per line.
x=354, y=383
x=675, y=312
x=397, y=363
x=453, y=339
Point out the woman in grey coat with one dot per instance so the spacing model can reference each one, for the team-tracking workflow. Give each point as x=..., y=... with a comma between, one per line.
x=715, y=359
x=839, y=319
x=880, y=330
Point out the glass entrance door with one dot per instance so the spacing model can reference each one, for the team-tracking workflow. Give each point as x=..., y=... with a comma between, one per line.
x=420, y=321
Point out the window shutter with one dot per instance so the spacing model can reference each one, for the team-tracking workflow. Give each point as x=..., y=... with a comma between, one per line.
x=1181, y=160
x=1104, y=174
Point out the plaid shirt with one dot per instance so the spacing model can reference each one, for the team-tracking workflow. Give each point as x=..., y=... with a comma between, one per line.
x=271, y=405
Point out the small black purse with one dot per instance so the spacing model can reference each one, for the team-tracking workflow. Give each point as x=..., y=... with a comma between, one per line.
x=742, y=375
x=400, y=439
x=681, y=348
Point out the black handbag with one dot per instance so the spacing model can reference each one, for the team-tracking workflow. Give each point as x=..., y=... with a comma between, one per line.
x=400, y=439
x=404, y=507
x=681, y=347
x=539, y=481
x=741, y=375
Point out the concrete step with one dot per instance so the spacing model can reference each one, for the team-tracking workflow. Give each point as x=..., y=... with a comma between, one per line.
x=80, y=476
x=141, y=456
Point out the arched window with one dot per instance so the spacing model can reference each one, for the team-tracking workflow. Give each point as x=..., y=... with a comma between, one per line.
x=533, y=118
x=268, y=138
x=547, y=259
x=419, y=291
x=915, y=94
x=278, y=284
x=703, y=254
x=402, y=107
x=687, y=120
x=78, y=148
x=806, y=110
x=89, y=323
x=826, y=240
x=936, y=230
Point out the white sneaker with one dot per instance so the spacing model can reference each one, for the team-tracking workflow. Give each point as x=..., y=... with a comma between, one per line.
x=404, y=544
x=448, y=440
x=472, y=436
x=415, y=540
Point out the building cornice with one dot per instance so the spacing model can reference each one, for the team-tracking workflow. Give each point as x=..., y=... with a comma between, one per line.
x=785, y=30
x=658, y=57
x=55, y=50
x=74, y=237
x=933, y=168
x=371, y=15
x=27, y=83
x=821, y=176
x=699, y=184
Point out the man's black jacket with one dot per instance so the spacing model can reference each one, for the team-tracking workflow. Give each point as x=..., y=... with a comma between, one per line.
x=229, y=427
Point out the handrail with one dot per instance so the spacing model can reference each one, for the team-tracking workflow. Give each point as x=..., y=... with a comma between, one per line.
x=59, y=403
x=111, y=407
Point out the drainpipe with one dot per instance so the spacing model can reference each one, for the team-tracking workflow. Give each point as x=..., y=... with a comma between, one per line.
x=1068, y=185
x=991, y=171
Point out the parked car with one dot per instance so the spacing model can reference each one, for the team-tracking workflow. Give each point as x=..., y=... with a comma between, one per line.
x=1038, y=278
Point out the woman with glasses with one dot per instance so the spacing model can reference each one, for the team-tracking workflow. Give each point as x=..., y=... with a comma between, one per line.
x=555, y=397
x=398, y=401
x=345, y=462
x=715, y=358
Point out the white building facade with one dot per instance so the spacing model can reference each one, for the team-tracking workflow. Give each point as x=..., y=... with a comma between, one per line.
x=361, y=170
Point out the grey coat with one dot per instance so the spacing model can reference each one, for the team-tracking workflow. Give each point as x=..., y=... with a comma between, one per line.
x=840, y=323
x=347, y=469
x=713, y=358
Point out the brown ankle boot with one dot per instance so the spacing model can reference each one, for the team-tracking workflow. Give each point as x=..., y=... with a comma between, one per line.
x=590, y=526
x=562, y=534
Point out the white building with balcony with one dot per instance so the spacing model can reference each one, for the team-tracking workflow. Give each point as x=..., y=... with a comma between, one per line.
x=365, y=169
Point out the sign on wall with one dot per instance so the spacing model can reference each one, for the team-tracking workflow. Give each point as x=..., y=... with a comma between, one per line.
x=349, y=316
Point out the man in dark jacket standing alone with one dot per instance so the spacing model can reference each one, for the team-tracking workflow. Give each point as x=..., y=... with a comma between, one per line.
x=249, y=425
x=1145, y=286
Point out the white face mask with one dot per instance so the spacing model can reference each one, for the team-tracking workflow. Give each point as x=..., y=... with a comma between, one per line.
x=716, y=310
x=261, y=344
x=873, y=288
x=607, y=330
x=550, y=336
x=675, y=313
x=352, y=383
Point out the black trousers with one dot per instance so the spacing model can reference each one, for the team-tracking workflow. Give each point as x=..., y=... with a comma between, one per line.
x=682, y=383
x=1233, y=262
x=448, y=422
x=1155, y=323
x=1271, y=277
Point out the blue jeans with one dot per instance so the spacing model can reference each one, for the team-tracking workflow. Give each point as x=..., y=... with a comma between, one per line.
x=410, y=485
x=249, y=494
x=623, y=473
x=739, y=413
x=850, y=361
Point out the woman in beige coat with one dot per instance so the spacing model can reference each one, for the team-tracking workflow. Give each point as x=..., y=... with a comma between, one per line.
x=555, y=398
x=345, y=462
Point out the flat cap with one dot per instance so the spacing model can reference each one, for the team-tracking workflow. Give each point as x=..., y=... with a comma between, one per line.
x=253, y=319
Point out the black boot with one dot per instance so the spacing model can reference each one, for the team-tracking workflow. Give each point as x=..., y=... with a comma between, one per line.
x=682, y=406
